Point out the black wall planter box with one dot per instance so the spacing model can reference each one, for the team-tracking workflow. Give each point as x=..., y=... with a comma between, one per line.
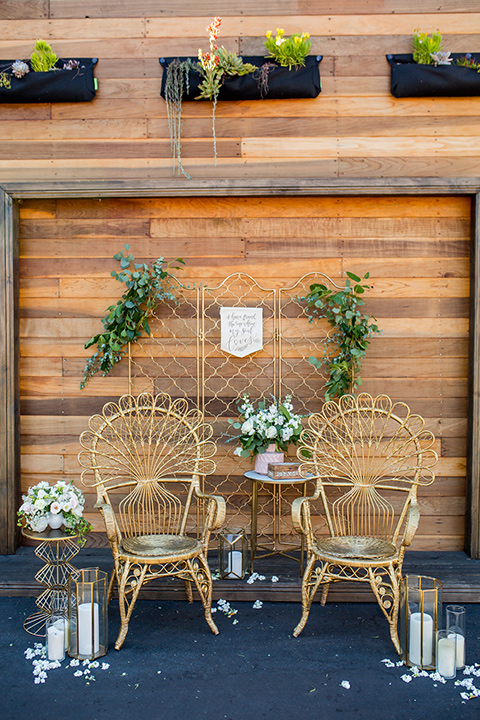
x=304, y=82
x=409, y=79
x=54, y=86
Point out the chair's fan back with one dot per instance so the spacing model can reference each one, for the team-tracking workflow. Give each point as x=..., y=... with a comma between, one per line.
x=369, y=455
x=148, y=444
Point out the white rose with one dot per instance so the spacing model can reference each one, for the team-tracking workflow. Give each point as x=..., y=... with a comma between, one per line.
x=271, y=432
x=41, y=493
x=247, y=427
x=78, y=511
x=73, y=502
x=39, y=504
x=27, y=508
x=55, y=508
x=39, y=523
x=237, y=451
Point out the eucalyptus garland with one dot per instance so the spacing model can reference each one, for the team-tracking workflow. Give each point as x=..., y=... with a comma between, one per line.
x=347, y=345
x=128, y=319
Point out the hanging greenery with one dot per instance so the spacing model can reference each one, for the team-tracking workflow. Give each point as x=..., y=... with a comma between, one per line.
x=129, y=318
x=175, y=85
x=347, y=345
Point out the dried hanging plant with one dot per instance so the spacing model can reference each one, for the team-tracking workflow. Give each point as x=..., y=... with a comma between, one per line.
x=175, y=85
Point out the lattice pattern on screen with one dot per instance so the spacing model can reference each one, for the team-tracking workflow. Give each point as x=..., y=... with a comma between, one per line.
x=183, y=357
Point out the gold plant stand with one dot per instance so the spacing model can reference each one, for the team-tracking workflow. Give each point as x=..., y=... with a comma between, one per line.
x=278, y=546
x=56, y=549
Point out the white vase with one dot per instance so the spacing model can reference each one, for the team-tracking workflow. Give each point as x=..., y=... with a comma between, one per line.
x=269, y=456
x=55, y=521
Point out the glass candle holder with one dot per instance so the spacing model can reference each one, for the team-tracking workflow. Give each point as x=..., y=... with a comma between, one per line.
x=87, y=614
x=455, y=624
x=446, y=654
x=420, y=615
x=55, y=634
x=233, y=553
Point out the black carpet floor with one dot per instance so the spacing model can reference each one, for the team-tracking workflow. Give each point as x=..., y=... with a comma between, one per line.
x=172, y=667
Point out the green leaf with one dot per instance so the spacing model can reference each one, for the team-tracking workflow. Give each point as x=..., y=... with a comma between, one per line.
x=352, y=276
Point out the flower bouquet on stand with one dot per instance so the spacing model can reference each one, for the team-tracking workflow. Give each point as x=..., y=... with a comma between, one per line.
x=53, y=506
x=266, y=432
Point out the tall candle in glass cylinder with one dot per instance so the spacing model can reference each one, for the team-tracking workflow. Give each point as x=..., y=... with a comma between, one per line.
x=87, y=614
x=420, y=613
x=455, y=624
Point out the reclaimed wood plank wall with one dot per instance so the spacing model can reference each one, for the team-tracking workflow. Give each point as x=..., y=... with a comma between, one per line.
x=355, y=128
x=416, y=249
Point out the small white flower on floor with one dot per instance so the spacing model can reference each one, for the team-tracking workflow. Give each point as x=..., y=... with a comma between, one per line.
x=275, y=578
x=345, y=684
x=406, y=678
x=257, y=604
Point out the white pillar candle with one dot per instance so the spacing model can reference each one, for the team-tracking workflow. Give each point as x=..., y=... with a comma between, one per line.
x=84, y=615
x=234, y=564
x=460, y=649
x=446, y=657
x=416, y=655
x=55, y=642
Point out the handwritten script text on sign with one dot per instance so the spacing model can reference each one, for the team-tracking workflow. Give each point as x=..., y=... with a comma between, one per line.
x=241, y=330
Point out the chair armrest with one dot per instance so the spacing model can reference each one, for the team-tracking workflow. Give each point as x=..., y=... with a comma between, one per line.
x=214, y=517
x=301, y=519
x=113, y=533
x=411, y=524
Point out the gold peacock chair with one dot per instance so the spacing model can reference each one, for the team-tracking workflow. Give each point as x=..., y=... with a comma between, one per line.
x=145, y=456
x=367, y=456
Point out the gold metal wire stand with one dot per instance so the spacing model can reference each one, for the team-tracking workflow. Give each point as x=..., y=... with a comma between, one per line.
x=56, y=549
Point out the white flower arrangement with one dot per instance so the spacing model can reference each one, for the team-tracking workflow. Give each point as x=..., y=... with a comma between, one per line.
x=43, y=499
x=274, y=423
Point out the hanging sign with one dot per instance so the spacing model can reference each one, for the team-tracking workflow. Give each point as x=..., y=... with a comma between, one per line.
x=241, y=330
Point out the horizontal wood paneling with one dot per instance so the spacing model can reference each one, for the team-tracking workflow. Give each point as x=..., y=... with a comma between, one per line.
x=416, y=249
x=355, y=128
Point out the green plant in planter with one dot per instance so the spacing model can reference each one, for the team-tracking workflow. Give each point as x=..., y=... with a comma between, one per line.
x=288, y=52
x=424, y=46
x=212, y=66
x=469, y=62
x=128, y=319
x=42, y=58
x=347, y=345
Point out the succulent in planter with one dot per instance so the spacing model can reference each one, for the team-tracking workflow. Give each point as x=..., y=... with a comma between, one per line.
x=431, y=71
x=40, y=78
x=213, y=67
x=288, y=52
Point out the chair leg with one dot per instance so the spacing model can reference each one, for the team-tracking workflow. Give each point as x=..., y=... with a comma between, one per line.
x=309, y=588
x=387, y=593
x=127, y=605
x=325, y=589
x=202, y=577
x=188, y=590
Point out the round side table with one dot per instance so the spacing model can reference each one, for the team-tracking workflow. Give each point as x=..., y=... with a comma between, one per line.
x=56, y=549
x=279, y=546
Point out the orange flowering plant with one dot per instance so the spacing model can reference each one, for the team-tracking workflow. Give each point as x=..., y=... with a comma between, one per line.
x=213, y=66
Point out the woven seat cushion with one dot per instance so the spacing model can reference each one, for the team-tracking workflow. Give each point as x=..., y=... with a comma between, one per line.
x=351, y=546
x=162, y=545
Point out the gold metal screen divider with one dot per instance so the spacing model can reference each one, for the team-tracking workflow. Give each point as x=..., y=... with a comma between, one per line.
x=183, y=357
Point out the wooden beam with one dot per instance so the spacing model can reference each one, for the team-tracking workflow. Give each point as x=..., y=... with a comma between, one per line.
x=9, y=376
x=472, y=515
x=177, y=187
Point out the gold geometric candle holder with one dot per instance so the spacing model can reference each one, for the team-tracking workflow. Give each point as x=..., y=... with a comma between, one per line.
x=420, y=619
x=87, y=614
x=233, y=550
